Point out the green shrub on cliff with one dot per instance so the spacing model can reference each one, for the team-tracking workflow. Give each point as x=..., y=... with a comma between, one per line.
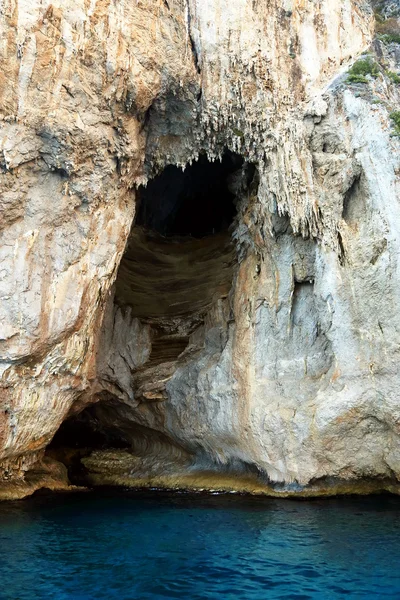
x=389, y=38
x=393, y=76
x=395, y=116
x=362, y=68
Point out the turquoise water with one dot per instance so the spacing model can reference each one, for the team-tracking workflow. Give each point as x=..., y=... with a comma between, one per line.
x=156, y=545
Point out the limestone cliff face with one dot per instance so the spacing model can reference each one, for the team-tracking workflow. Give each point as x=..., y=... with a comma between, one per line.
x=262, y=357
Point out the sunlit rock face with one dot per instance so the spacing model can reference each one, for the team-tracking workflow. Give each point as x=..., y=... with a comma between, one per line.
x=199, y=260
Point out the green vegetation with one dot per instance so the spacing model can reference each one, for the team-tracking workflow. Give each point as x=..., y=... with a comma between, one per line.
x=393, y=76
x=389, y=38
x=362, y=68
x=395, y=116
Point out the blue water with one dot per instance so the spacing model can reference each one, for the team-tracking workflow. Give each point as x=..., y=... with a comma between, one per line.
x=158, y=545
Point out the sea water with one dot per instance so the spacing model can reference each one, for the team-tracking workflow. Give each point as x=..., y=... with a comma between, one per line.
x=154, y=545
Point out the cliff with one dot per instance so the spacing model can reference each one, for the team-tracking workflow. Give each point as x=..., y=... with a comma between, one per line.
x=200, y=245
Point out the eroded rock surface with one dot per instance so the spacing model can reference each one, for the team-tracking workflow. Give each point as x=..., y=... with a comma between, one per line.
x=249, y=336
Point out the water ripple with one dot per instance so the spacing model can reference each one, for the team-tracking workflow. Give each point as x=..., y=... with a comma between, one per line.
x=156, y=546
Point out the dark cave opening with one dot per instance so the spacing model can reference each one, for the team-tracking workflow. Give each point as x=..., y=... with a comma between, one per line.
x=195, y=202
x=180, y=253
x=87, y=429
x=100, y=426
x=106, y=428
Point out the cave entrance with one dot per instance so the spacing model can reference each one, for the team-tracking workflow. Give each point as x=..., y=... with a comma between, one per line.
x=103, y=427
x=180, y=258
x=97, y=427
x=104, y=442
x=180, y=255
